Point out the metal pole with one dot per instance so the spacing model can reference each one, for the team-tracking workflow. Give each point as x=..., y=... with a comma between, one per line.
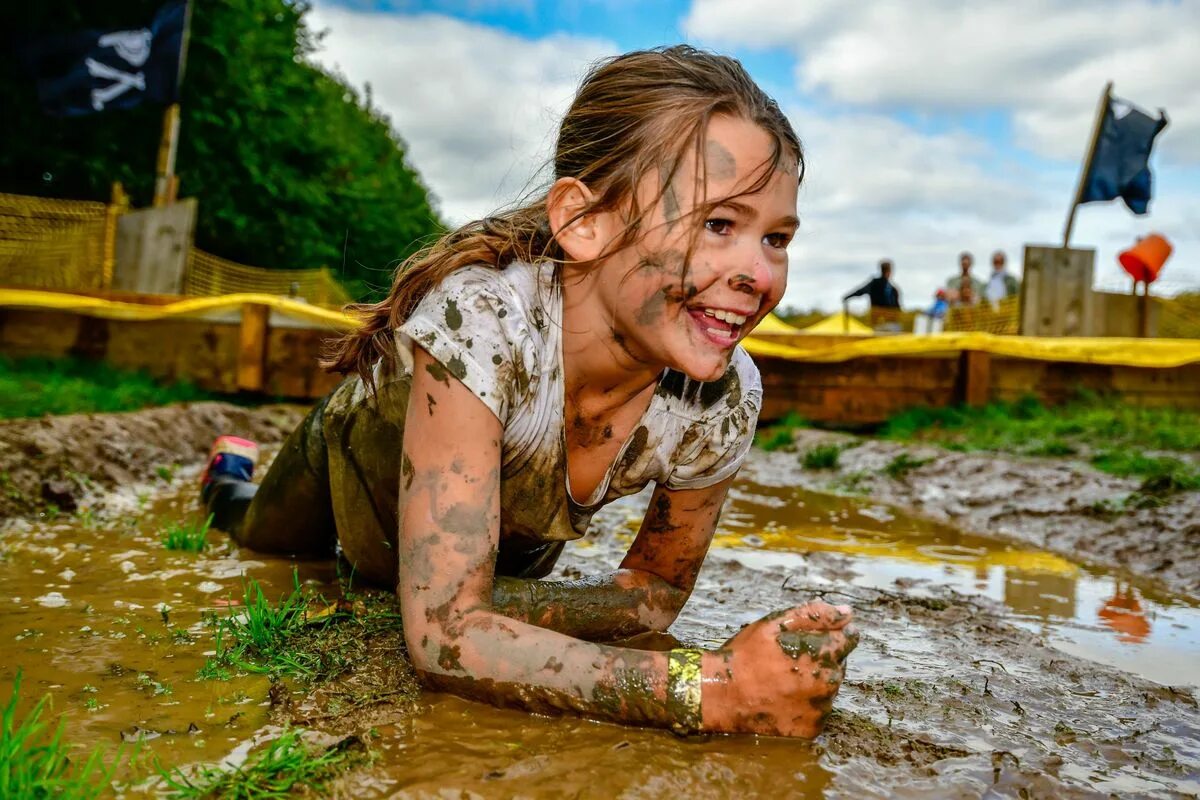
x=1085, y=172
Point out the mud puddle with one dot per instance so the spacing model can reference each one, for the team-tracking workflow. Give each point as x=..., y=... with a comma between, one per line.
x=965, y=682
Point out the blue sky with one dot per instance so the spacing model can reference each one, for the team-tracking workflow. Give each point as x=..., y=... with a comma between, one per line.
x=929, y=129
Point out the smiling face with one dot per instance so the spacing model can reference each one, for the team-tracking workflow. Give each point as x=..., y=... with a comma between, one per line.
x=699, y=280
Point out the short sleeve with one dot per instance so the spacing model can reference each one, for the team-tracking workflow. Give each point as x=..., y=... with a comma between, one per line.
x=714, y=446
x=473, y=325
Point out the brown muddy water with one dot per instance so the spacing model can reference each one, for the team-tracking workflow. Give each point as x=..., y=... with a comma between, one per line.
x=984, y=669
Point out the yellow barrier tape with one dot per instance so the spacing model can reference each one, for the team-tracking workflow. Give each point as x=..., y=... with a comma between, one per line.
x=1159, y=353
x=197, y=307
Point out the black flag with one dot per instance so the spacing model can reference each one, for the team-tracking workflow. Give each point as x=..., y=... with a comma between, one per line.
x=1121, y=162
x=90, y=71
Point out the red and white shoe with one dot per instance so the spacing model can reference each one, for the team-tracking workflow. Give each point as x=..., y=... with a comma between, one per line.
x=230, y=457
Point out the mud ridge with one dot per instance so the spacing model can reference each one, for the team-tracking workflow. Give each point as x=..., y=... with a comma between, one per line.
x=1056, y=504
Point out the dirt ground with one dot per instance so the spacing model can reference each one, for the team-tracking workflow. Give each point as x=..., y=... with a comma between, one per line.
x=946, y=696
x=1055, y=504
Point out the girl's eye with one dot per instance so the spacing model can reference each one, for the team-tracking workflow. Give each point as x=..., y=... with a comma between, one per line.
x=720, y=227
x=777, y=240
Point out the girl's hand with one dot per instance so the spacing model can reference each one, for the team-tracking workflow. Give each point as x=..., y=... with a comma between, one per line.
x=778, y=676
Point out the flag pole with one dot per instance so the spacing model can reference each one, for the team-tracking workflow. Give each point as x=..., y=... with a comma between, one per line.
x=1101, y=110
x=166, y=185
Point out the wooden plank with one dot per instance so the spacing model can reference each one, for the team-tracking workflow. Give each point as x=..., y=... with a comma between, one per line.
x=252, y=349
x=975, y=378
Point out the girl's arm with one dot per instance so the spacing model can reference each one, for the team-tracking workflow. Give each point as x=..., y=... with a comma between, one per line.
x=765, y=680
x=648, y=590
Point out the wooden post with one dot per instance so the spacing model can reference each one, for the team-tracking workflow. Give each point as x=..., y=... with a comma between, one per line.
x=1105, y=99
x=975, y=377
x=1143, y=310
x=252, y=348
x=167, y=147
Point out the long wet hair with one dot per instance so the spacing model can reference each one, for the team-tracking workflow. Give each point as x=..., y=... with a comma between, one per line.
x=636, y=114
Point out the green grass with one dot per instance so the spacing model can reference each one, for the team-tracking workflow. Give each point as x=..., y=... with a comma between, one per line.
x=902, y=464
x=255, y=637
x=284, y=767
x=188, y=536
x=781, y=435
x=1115, y=434
x=34, y=765
x=31, y=387
x=823, y=456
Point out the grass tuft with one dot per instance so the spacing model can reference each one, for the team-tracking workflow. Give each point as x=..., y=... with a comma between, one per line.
x=781, y=435
x=255, y=638
x=34, y=766
x=31, y=387
x=902, y=464
x=284, y=767
x=823, y=456
x=187, y=536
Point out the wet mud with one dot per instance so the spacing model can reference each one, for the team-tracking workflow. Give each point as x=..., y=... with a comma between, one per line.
x=1060, y=505
x=987, y=666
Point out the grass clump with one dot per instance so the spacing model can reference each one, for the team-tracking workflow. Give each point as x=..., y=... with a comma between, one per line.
x=1026, y=427
x=190, y=536
x=31, y=387
x=823, y=456
x=1161, y=474
x=902, y=464
x=34, y=766
x=285, y=766
x=255, y=638
x=781, y=435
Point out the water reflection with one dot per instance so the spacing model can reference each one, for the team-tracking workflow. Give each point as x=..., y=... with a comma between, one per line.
x=1082, y=611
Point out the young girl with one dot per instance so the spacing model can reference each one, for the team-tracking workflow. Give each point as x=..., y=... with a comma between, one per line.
x=530, y=368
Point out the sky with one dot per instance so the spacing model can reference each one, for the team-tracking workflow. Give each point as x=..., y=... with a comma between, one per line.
x=930, y=126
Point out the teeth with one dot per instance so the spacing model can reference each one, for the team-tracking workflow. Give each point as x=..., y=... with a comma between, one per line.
x=725, y=316
x=729, y=334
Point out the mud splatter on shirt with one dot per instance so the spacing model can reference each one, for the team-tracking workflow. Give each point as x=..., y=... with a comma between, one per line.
x=498, y=331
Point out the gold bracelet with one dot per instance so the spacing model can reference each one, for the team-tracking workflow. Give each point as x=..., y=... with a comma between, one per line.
x=683, y=690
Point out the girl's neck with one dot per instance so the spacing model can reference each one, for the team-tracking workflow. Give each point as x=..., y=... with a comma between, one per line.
x=601, y=368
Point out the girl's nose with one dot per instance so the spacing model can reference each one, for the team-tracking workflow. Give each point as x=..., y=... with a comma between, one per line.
x=752, y=278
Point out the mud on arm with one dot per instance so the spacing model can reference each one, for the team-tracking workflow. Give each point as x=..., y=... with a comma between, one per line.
x=449, y=530
x=646, y=594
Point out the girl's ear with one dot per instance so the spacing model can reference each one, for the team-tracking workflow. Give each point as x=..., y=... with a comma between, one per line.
x=582, y=238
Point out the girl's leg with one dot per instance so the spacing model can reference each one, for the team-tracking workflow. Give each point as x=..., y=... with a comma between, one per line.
x=291, y=511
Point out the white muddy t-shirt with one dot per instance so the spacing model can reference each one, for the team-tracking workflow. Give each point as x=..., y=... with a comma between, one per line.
x=499, y=332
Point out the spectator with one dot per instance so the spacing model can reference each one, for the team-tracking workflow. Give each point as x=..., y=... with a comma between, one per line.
x=1003, y=283
x=964, y=289
x=937, y=312
x=882, y=292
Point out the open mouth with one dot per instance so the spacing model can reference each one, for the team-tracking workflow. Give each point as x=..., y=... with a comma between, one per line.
x=722, y=326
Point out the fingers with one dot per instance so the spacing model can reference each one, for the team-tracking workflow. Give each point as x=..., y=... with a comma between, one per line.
x=815, y=616
x=826, y=648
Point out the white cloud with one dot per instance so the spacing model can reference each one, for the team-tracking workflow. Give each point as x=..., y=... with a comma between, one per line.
x=477, y=106
x=1047, y=62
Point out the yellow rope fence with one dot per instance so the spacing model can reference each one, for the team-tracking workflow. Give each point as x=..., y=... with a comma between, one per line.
x=1003, y=318
x=210, y=276
x=68, y=245
x=1179, y=316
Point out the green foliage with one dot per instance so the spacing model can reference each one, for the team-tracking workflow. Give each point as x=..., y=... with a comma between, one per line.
x=292, y=167
x=1029, y=428
x=1162, y=475
x=189, y=536
x=255, y=637
x=31, y=387
x=781, y=435
x=902, y=464
x=823, y=456
x=284, y=767
x=34, y=766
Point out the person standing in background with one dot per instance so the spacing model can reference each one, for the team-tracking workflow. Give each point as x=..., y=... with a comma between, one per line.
x=1003, y=283
x=963, y=289
x=880, y=289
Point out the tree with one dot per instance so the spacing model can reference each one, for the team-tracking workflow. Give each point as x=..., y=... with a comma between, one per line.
x=292, y=167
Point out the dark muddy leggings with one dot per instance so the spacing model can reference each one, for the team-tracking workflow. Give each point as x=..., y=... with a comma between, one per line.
x=291, y=511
